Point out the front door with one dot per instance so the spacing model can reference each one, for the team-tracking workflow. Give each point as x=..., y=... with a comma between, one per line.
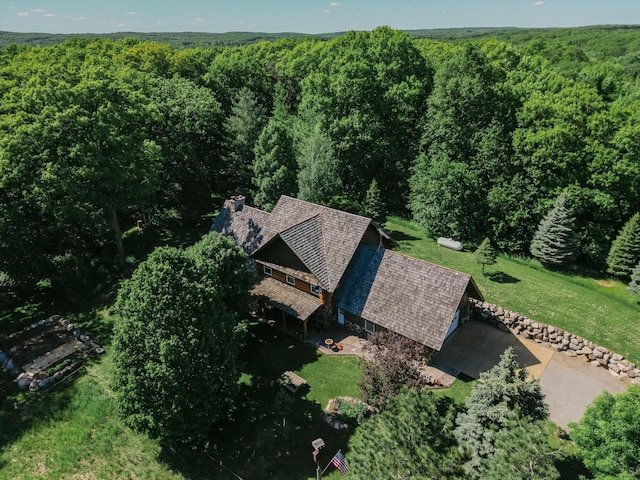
x=340, y=316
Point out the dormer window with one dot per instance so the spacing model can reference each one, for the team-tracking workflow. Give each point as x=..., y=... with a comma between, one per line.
x=266, y=270
x=316, y=289
x=291, y=280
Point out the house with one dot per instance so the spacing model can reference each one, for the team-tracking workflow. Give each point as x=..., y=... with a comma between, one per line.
x=317, y=265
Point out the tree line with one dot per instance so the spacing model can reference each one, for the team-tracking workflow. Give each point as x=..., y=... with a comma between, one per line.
x=472, y=139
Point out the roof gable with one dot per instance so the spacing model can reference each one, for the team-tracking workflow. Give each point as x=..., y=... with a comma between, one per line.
x=409, y=296
x=325, y=239
x=306, y=241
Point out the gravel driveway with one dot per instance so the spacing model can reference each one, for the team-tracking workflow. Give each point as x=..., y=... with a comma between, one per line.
x=569, y=384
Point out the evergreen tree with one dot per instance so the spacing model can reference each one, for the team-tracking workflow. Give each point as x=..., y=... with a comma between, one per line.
x=485, y=254
x=247, y=120
x=502, y=398
x=275, y=168
x=373, y=206
x=521, y=452
x=634, y=284
x=625, y=249
x=554, y=243
x=318, y=176
x=411, y=439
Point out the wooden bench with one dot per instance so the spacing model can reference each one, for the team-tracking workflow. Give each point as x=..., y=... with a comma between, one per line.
x=291, y=381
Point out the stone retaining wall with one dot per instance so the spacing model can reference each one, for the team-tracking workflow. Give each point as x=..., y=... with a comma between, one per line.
x=556, y=338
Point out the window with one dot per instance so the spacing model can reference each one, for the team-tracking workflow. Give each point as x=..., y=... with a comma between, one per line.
x=267, y=270
x=369, y=327
x=315, y=289
x=291, y=280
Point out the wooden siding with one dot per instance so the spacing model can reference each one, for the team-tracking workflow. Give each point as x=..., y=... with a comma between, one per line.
x=301, y=285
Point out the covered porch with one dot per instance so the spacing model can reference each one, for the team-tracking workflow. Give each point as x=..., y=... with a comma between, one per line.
x=291, y=304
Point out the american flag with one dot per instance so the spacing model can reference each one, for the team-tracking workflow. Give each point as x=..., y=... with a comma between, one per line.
x=340, y=462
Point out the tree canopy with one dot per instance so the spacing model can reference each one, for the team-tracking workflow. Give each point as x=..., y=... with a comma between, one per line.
x=607, y=437
x=177, y=340
x=412, y=438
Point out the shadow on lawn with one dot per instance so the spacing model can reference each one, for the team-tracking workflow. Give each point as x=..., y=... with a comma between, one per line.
x=271, y=429
x=501, y=277
x=400, y=236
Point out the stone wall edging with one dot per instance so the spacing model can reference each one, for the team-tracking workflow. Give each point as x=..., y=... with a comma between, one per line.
x=558, y=339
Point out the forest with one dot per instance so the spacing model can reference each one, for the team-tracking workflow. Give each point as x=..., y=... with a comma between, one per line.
x=470, y=138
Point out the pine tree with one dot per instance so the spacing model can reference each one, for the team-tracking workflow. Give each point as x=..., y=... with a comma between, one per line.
x=554, y=243
x=275, y=167
x=502, y=398
x=373, y=207
x=634, y=284
x=485, y=254
x=625, y=249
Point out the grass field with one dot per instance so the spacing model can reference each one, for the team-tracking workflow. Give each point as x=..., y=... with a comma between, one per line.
x=600, y=310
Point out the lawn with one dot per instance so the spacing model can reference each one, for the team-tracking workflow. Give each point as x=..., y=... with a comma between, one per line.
x=600, y=310
x=73, y=430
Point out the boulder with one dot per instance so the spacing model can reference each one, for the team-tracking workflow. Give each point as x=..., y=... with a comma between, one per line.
x=552, y=329
x=616, y=357
x=597, y=353
x=574, y=341
x=602, y=349
x=614, y=367
x=614, y=373
x=586, y=350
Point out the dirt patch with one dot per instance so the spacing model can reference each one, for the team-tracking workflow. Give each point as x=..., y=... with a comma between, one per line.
x=605, y=283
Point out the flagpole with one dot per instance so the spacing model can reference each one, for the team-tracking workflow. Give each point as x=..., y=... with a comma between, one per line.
x=330, y=462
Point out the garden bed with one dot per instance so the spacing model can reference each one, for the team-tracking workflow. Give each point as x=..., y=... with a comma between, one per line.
x=45, y=352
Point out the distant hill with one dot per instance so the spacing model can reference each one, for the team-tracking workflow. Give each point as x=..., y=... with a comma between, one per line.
x=600, y=40
x=175, y=39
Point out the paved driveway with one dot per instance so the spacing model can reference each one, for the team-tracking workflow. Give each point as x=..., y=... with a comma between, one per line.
x=569, y=384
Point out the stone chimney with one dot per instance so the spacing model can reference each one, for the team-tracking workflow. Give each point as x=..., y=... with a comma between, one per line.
x=238, y=202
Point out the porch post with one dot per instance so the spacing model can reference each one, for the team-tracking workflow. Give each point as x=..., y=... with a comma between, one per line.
x=304, y=329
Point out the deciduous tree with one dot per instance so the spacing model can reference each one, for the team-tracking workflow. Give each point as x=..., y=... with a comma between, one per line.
x=177, y=339
x=392, y=362
x=607, y=437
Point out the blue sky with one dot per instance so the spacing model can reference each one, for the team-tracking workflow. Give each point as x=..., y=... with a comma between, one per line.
x=305, y=16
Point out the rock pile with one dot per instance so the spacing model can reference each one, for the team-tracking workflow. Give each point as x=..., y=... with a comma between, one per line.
x=560, y=340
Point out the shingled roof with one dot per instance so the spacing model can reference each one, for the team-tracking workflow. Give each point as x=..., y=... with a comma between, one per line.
x=323, y=238
x=242, y=223
x=287, y=298
x=414, y=298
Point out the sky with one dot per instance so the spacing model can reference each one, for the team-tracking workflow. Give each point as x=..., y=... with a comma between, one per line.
x=304, y=16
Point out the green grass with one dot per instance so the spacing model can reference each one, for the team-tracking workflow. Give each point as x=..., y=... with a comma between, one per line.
x=601, y=311
x=459, y=390
x=73, y=430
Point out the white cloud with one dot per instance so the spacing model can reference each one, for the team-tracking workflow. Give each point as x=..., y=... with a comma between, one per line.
x=198, y=21
x=130, y=13
x=327, y=11
x=537, y=4
x=38, y=10
x=23, y=14
x=49, y=14
x=334, y=4
x=239, y=22
x=79, y=19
